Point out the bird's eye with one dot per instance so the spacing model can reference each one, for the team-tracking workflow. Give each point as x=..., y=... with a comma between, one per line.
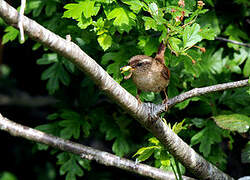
x=139, y=64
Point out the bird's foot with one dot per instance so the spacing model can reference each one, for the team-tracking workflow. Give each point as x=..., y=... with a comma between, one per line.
x=165, y=102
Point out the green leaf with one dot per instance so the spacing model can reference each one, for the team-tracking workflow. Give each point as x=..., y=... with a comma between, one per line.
x=71, y=124
x=105, y=41
x=148, y=96
x=198, y=122
x=210, y=19
x=213, y=61
x=174, y=42
x=233, y=122
x=51, y=128
x=47, y=59
x=85, y=164
x=129, y=86
x=10, y=34
x=120, y=146
x=123, y=19
x=75, y=10
x=177, y=127
x=135, y=5
x=149, y=23
x=185, y=103
x=148, y=44
x=52, y=116
x=154, y=141
x=115, y=70
x=246, y=70
x=245, y=155
x=207, y=32
x=84, y=23
x=211, y=134
x=71, y=168
x=191, y=35
x=86, y=127
x=145, y=152
x=55, y=73
x=62, y=158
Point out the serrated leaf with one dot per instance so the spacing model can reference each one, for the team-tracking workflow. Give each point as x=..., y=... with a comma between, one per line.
x=123, y=19
x=105, y=41
x=120, y=146
x=149, y=23
x=85, y=163
x=71, y=128
x=71, y=168
x=206, y=137
x=214, y=62
x=55, y=73
x=233, y=122
x=207, y=33
x=84, y=22
x=135, y=5
x=75, y=10
x=191, y=35
x=51, y=128
x=62, y=157
x=10, y=34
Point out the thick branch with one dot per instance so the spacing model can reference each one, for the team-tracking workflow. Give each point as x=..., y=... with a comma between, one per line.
x=233, y=41
x=84, y=151
x=142, y=112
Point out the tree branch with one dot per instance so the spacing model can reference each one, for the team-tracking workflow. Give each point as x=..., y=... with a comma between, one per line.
x=143, y=113
x=84, y=151
x=233, y=41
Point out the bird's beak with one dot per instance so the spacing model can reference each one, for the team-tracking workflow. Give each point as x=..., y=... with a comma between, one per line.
x=126, y=68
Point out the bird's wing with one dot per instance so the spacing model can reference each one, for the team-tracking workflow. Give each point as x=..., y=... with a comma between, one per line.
x=165, y=73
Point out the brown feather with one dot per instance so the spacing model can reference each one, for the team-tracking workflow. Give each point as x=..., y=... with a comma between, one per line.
x=165, y=73
x=160, y=54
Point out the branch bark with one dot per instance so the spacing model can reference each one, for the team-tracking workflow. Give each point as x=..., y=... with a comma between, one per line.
x=233, y=41
x=84, y=151
x=143, y=113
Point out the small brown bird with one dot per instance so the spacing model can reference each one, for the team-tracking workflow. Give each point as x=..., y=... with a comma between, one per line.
x=149, y=74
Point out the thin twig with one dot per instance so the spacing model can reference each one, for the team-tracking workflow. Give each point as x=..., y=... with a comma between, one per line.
x=233, y=41
x=205, y=90
x=20, y=20
x=85, y=152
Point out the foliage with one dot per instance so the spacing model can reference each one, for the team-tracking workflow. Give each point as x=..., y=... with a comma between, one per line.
x=111, y=32
x=163, y=159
